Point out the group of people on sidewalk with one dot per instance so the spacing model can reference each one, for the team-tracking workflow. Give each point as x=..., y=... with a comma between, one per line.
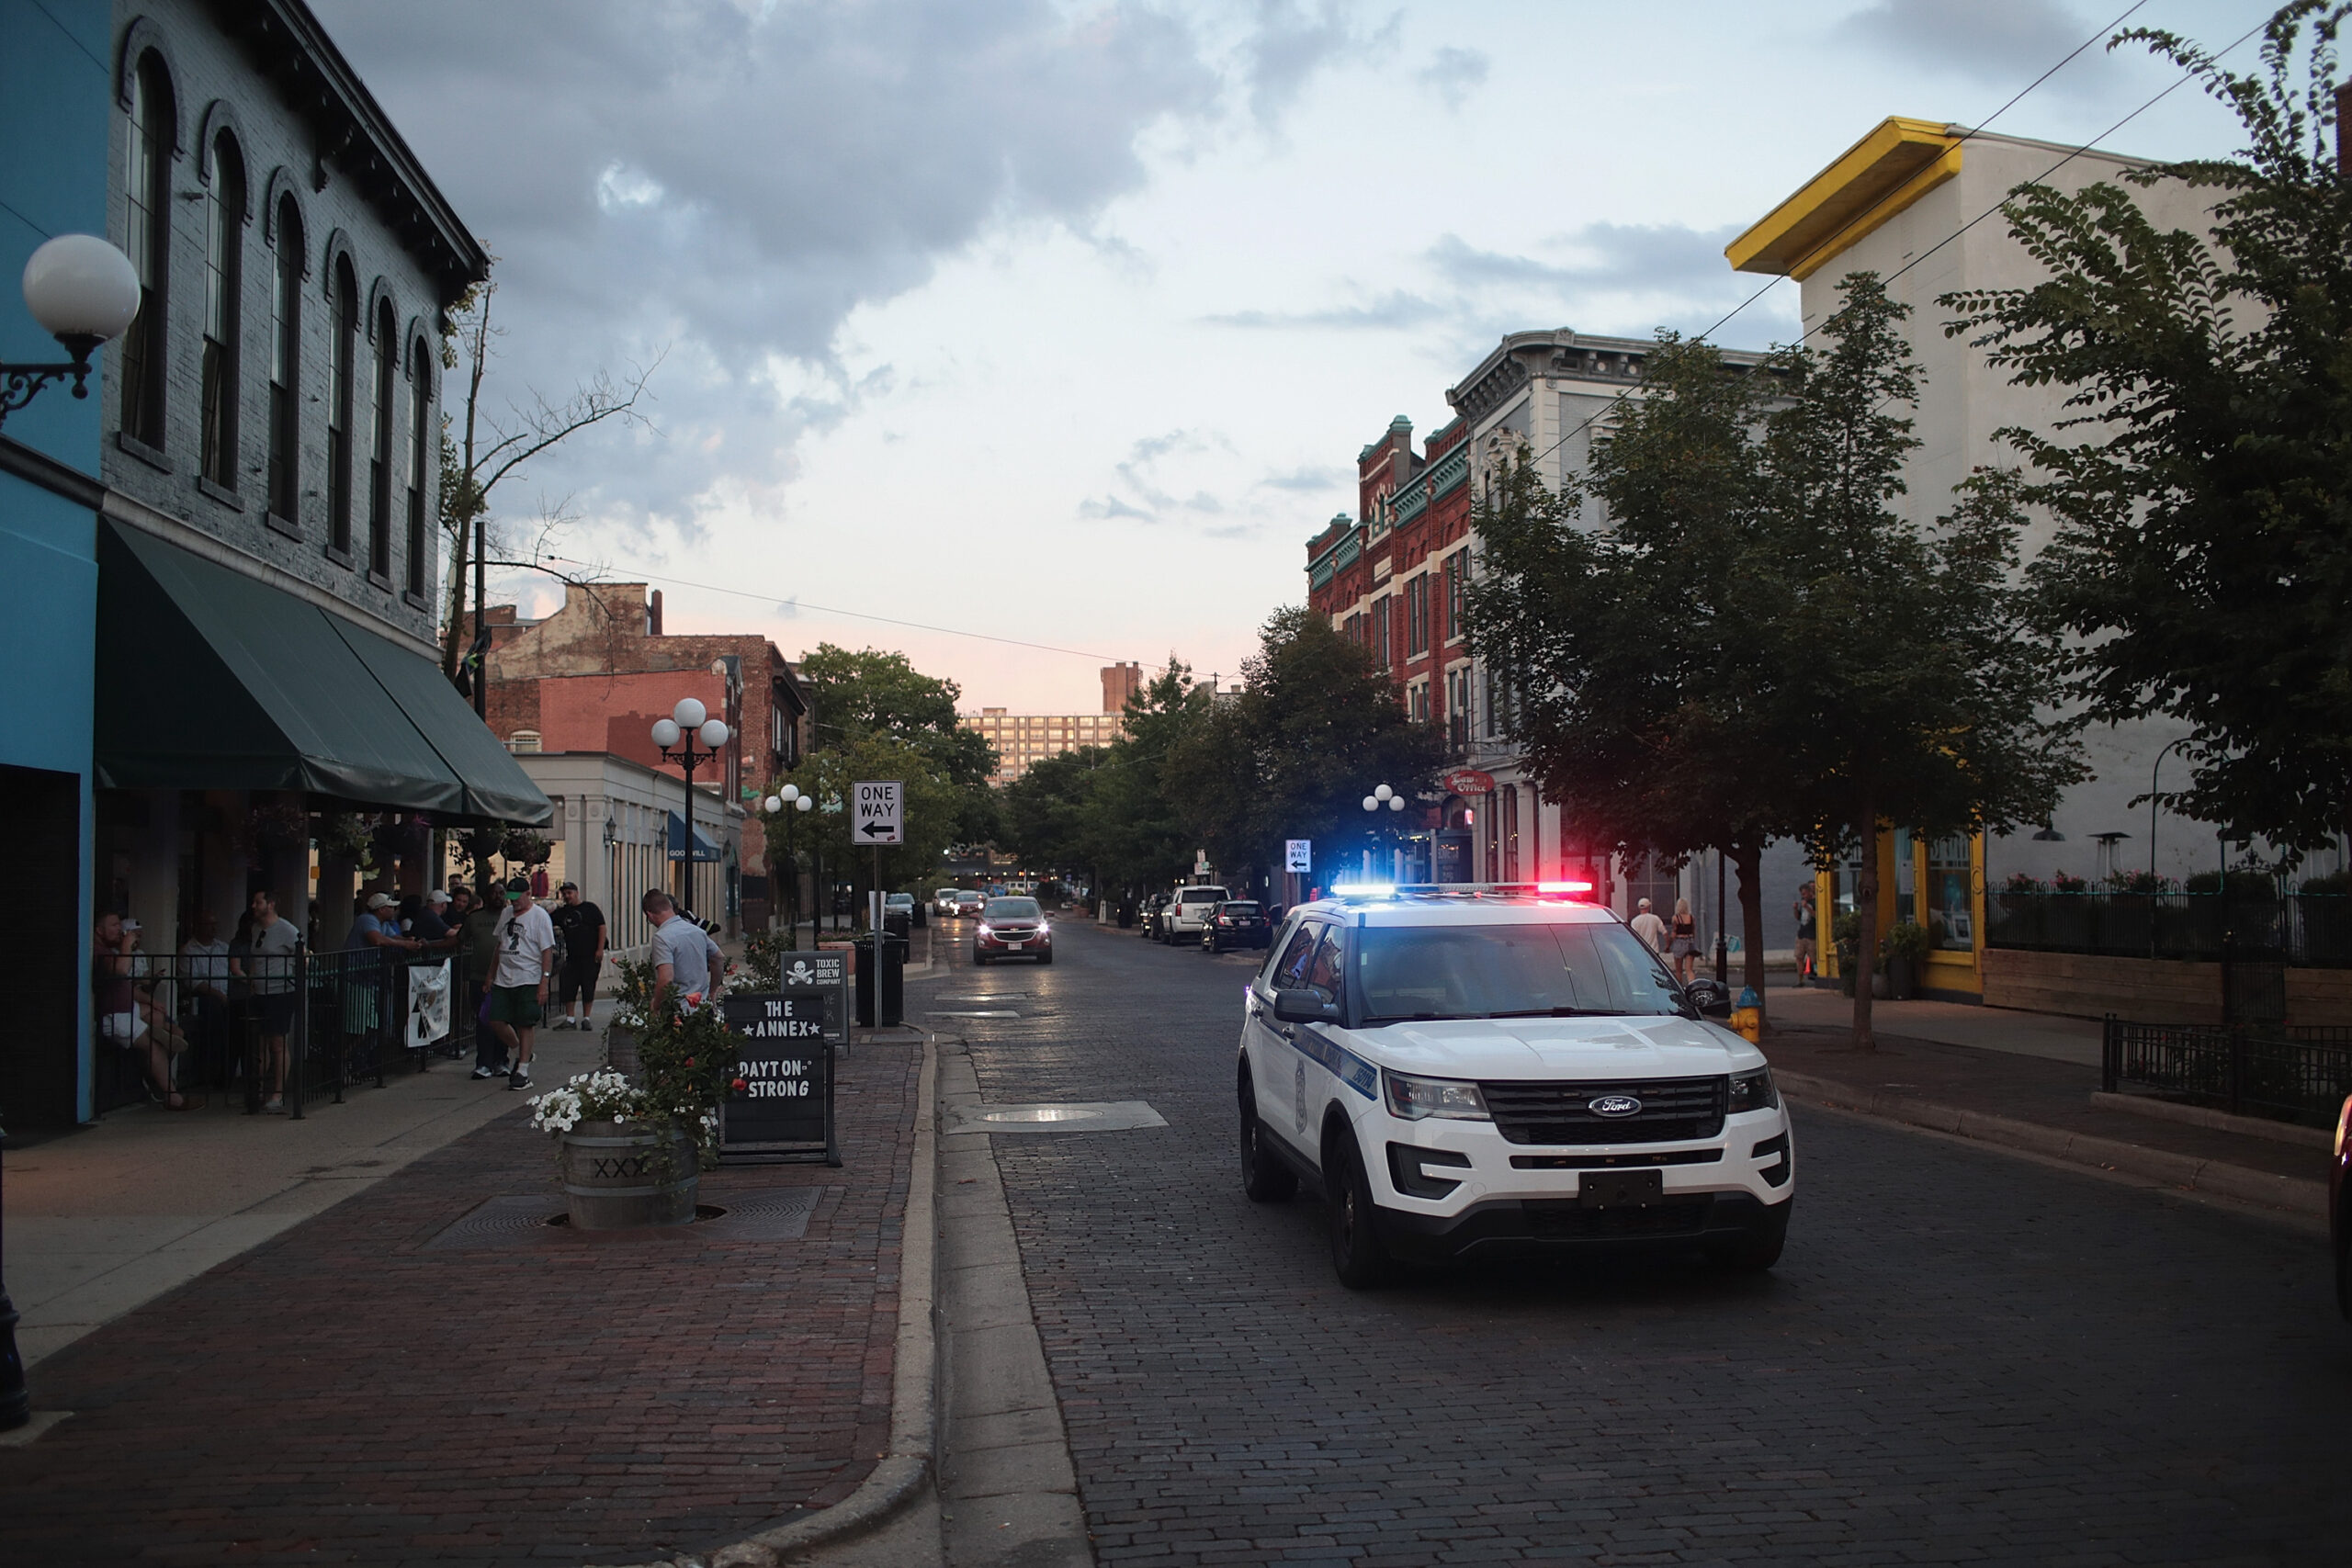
x=518, y=947
x=248, y=979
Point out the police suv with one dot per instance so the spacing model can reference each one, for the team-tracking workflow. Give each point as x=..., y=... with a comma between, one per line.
x=1472, y=1067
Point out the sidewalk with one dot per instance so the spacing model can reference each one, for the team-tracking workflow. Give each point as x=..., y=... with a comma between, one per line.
x=2029, y=1081
x=370, y=1386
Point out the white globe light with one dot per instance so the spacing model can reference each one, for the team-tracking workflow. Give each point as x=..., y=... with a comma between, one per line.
x=1395, y=803
x=713, y=733
x=1382, y=793
x=774, y=804
x=665, y=733
x=804, y=803
x=1370, y=803
x=689, y=712
x=791, y=791
x=78, y=285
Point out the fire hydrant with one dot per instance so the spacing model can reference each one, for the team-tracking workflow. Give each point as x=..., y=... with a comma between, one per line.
x=1747, y=1017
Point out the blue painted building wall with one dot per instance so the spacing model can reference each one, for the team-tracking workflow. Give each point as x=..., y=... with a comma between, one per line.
x=55, y=99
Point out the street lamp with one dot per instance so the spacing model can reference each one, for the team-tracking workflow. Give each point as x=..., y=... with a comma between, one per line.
x=83, y=291
x=1383, y=796
x=790, y=801
x=676, y=736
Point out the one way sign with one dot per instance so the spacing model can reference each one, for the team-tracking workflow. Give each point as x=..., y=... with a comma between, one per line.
x=879, y=819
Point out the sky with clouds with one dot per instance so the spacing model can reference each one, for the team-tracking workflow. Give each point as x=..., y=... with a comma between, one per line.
x=1064, y=321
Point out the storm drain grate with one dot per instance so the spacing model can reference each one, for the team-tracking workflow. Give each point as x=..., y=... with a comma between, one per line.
x=776, y=1213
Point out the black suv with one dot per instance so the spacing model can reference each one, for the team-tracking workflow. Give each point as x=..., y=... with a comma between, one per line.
x=1236, y=922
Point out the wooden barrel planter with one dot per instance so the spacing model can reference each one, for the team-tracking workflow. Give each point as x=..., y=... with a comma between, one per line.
x=620, y=1050
x=618, y=1175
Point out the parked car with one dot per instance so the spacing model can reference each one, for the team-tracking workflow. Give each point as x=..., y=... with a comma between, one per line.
x=1188, y=910
x=1236, y=922
x=943, y=901
x=1476, y=1072
x=1013, y=928
x=968, y=904
x=2339, y=1223
x=1147, y=917
x=902, y=903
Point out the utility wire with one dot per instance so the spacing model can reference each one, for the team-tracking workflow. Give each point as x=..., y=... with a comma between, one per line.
x=2075, y=152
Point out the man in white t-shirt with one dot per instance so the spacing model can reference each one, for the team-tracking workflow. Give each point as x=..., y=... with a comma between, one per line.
x=1650, y=928
x=523, y=940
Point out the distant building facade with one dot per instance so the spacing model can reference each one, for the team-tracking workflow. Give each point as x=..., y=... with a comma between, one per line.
x=1023, y=739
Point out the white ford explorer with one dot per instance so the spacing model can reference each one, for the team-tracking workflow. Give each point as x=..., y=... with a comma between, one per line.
x=1476, y=1067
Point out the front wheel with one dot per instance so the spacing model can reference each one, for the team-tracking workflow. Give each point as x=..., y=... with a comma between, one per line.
x=1264, y=1177
x=1756, y=1250
x=979, y=959
x=1357, y=1254
x=1045, y=958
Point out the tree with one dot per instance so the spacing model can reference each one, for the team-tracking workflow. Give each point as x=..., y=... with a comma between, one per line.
x=932, y=804
x=1045, y=813
x=493, y=447
x=2202, y=482
x=1139, y=840
x=1643, y=656
x=1317, y=726
x=1915, y=688
x=871, y=692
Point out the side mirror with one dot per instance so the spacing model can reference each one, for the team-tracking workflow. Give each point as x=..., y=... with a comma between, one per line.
x=1305, y=1006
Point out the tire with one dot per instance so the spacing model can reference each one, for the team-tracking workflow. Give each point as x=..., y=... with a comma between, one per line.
x=1357, y=1254
x=1265, y=1178
x=1760, y=1249
x=1045, y=958
x=979, y=960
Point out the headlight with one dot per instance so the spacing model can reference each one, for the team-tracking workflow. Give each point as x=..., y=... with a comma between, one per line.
x=984, y=931
x=1447, y=1099
x=1043, y=928
x=1753, y=1091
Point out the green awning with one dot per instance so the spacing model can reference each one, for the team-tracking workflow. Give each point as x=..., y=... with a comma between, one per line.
x=208, y=679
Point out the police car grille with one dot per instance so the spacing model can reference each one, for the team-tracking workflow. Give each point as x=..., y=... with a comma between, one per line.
x=1672, y=1110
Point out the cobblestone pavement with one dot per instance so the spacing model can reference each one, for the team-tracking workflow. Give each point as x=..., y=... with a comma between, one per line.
x=1965, y=1356
x=346, y=1393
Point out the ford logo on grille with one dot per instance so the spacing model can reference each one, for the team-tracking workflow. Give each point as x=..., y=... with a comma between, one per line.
x=1614, y=1105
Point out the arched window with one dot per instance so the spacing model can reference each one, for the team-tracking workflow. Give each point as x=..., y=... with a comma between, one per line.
x=420, y=458
x=147, y=235
x=286, y=366
x=379, y=445
x=343, y=350
x=224, y=246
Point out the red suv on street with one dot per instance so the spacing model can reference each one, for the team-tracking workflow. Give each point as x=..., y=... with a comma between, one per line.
x=1013, y=928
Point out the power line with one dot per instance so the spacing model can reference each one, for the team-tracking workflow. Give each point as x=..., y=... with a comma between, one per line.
x=853, y=614
x=1974, y=130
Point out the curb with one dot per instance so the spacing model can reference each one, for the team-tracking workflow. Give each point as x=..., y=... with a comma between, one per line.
x=2214, y=1177
x=2217, y=1120
x=907, y=1464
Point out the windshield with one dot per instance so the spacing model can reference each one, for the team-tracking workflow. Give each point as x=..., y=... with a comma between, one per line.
x=1011, y=909
x=943, y=893
x=1237, y=908
x=1531, y=971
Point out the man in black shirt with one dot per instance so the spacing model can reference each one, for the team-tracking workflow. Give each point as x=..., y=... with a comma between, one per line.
x=582, y=926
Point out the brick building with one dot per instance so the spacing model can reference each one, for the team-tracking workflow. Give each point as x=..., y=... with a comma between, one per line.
x=593, y=677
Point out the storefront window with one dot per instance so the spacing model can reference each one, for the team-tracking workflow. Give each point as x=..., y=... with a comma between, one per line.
x=1950, y=908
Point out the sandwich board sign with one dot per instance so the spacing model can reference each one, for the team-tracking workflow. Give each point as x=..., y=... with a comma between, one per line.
x=783, y=1109
x=880, y=813
x=1298, y=855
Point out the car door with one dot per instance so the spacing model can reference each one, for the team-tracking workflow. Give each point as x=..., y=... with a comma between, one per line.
x=1272, y=1062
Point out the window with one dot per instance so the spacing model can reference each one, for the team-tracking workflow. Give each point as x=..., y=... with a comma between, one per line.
x=224, y=280
x=1381, y=651
x=1417, y=615
x=147, y=235
x=420, y=458
x=1456, y=565
x=342, y=347
x=1458, y=697
x=379, y=445
x=285, y=363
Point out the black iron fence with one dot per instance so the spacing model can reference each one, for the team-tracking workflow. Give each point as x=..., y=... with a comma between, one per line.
x=2306, y=929
x=279, y=1030
x=2298, y=1073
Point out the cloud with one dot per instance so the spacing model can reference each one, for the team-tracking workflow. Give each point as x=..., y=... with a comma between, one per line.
x=1656, y=257
x=2002, y=42
x=1155, y=499
x=1453, y=72
x=1304, y=479
x=1397, y=308
x=1291, y=43
x=1620, y=279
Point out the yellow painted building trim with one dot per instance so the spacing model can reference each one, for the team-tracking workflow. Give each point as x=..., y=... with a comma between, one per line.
x=1879, y=177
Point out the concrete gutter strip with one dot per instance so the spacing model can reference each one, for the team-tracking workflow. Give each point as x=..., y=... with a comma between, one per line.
x=2218, y=1121
x=2216, y=1178
x=907, y=1465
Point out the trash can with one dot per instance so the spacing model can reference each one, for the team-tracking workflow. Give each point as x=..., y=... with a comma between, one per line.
x=881, y=983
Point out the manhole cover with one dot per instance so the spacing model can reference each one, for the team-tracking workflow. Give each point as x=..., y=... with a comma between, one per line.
x=1070, y=1116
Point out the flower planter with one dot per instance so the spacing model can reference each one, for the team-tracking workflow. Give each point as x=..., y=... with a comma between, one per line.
x=618, y=1175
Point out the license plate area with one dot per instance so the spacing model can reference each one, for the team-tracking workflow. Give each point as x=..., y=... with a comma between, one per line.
x=1620, y=1189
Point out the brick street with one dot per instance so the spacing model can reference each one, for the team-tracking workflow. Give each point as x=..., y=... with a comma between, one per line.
x=347, y=1395
x=1965, y=1357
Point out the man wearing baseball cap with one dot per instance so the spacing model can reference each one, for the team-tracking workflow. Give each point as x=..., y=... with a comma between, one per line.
x=581, y=925
x=524, y=939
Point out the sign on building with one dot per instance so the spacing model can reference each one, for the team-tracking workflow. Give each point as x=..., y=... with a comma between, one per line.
x=880, y=817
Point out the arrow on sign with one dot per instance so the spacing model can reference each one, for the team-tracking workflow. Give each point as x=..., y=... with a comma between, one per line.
x=879, y=830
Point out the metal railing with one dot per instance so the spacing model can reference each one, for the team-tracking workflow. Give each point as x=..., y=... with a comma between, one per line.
x=2283, y=1071
x=2305, y=930
x=297, y=1027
